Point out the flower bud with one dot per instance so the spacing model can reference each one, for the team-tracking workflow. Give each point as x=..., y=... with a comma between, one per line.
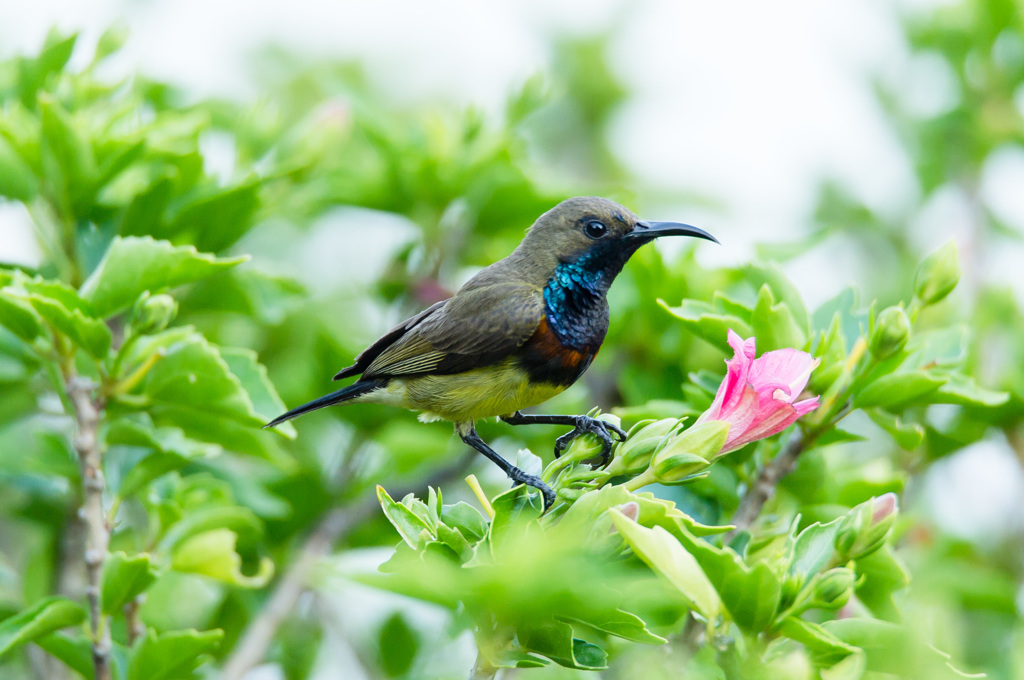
x=937, y=275
x=635, y=454
x=866, y=527
x=690, y=452
x=892, y=328
x=833, y=589
x=791, y=586
x=152, y=314
x=570, y=495
x=588, y=445
x=677, y=467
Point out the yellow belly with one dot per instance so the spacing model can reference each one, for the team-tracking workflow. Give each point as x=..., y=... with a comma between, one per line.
x=481, y=393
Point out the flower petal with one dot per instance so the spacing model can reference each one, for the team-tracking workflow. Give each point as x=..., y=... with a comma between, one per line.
x=740, y=420
x=806, y=406
x=785, y=369
x=773, y=417
x=730, y=392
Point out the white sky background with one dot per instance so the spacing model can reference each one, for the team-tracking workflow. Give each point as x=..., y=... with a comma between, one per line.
x=749, y=102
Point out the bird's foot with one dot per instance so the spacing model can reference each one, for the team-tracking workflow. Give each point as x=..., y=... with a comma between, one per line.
x=520, y=477
x=599, y=428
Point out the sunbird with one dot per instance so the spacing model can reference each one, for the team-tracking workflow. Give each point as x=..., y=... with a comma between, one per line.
x=516, y=334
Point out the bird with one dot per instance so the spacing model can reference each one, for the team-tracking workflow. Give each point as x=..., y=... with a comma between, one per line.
x=516, y=334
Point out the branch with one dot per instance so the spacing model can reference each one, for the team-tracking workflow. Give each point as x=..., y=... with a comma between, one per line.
x=97, y=532
x=135, y=628
x=334, y=526
x=763, y=488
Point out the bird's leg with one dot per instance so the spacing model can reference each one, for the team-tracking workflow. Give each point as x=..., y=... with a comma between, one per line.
x=581, y=425
x=469, y=435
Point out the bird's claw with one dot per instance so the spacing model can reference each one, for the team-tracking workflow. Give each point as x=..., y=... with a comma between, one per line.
x=536, y=483
x=599, y=428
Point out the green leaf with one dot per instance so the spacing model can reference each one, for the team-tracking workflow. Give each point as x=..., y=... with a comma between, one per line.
x=513, y=658
x=837, y=435
x=111, y=41
x=946, y=347
x=898, y=390
x=826, y=649
x=42, y=618
x=124, y=578
x=212, y=553
x=907, y=435
x=411, y=527
x=774, y=325
x=579, y=520
x=144, y=213
x=34, y=72
x=588, y=656
x=554, y=640
x=136, y=264
x=703, y=321
x=892, y=648
x=72, y=316
x=266, y=402
x=751, y=593
x=172, y=655
x=73, y=652
x=841, y=311
x=193, y=376
x=172, y=450
x=887, y=644
x=782, y=289
x=17, y=181
x=814, y=547
x=664, y=554
x=620, y=623
x=465, y=518
x=238, y=519
x=420, y=509
x=964, y=391
x=850, y=668
x=18, y=316
x=515, y=512
x=398, y=643
x=73, y=168
x=216, y=221
x=880, y=575
x=454, y=539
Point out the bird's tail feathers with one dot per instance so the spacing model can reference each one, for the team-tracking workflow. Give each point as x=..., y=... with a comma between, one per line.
x=344, y=394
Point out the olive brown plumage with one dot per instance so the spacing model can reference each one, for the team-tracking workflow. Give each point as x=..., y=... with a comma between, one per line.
x=519, y=332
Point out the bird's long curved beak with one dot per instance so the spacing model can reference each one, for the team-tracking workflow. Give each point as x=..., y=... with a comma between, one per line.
x=648, y=231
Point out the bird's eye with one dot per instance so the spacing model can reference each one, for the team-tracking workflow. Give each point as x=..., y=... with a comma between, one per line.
x=595, y=229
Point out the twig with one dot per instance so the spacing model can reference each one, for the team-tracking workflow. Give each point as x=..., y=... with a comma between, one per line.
x=97, y=532
x=763, y=487
x=135, y=627
x=334, y=526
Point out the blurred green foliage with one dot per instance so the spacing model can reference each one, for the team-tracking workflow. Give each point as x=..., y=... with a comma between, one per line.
x=148, y=205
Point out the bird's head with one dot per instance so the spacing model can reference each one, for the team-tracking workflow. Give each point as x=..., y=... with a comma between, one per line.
x=598, y=234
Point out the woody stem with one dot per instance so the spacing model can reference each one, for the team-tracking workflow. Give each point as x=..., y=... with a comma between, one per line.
x=87, y=409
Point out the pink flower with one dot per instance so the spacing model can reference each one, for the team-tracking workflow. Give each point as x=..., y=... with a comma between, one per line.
x=757, y=396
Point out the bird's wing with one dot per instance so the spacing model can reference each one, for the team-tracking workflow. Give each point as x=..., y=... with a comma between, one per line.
x=475, y=328
x=385, y=341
